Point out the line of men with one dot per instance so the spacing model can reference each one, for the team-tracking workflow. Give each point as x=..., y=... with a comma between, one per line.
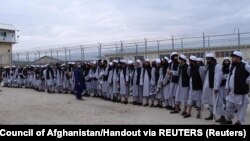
x=171, y=83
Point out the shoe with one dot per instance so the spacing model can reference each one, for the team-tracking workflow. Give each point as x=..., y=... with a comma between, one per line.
x=211, y=117
x=198, y=116
x=174, y=112
x=134, y=103
x=139, y=104
x=221, y=119
x=187, y=116
x=237, y=123
x=184, y=113
x=81, y=99
x=145, y=105
x=227, y=122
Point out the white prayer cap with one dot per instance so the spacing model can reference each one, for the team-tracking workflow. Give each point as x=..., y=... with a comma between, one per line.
x=73, y=63
x=138, y=61
x=226, y=58
x=183, y=57
x=173, y=53
x=193, y=58
x=170, y=61
x=13, y=66
x=110, y=63
x=210, y=55
x=238, y=54
x=94, y=62
x=158, y=61
x=130, y=62
x=6, y=67
x=62, y=65
x=146, y=60
x=199, y=59
x=115, y=61
x=166, y=58
x=123, y=61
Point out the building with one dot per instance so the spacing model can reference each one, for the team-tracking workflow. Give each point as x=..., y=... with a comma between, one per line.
x=46, y=60
x=8, y=38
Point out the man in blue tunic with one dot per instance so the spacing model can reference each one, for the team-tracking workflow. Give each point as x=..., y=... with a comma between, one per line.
x=79, y=82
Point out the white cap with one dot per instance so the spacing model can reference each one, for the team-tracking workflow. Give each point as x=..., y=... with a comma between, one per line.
x=226, y=58
x=138, y=61
x=115, y=61
x=123, y=61
x=173, y=53
x=13, y=66
x=130, y=62
x=199, y=59
x=170, y=61
x=210, y=55
x=111, y=63
x=193, y=58
x=237, y=53
x=73, y=63
x=94, y=62
x=158, y=61
x=183, y=57
x=62, y=65
x=147, y=60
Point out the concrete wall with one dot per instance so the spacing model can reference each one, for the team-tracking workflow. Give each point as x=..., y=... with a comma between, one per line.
x=5, y=53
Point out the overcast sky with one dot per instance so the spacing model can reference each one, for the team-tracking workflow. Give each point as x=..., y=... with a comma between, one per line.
x=55, y=22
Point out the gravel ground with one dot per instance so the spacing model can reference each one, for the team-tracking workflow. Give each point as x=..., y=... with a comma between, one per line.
x=25, y=106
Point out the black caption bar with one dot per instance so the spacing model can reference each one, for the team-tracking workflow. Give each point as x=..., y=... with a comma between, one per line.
x=80, y=131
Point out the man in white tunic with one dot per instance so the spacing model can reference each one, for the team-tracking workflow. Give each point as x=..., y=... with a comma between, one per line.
x=173, y=72
x=59, y=78
x=210, y=93
x=50, y=79
x=221, y=103
x=123, y=82
x=183, y=85
x=115, y=81
x=135, y=84
x=238, y=90
x=145, y=80
x=196, y=74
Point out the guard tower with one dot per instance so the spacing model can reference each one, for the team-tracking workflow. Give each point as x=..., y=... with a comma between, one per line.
x=8, y=38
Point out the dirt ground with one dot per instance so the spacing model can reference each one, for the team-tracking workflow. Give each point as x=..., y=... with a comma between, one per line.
x=25, y=106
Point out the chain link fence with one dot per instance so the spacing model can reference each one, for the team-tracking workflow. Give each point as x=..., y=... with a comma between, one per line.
x=145, y=48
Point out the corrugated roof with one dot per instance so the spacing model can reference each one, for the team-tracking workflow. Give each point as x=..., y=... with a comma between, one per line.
x=7, y=27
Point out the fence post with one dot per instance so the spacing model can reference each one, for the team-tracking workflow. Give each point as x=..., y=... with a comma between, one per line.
x=158, y=48
x=239, y=38
x=136, y=51
x=146, y=48
x=65, y=53
x=57, y=55
x=122, y=55
x=208, y=40
x=69, y=55
x=116, y=49
x=182, y=46
x=51, y=51
x=204, y=46
x=81, y=52
x=172, y=43
x=100, y=51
